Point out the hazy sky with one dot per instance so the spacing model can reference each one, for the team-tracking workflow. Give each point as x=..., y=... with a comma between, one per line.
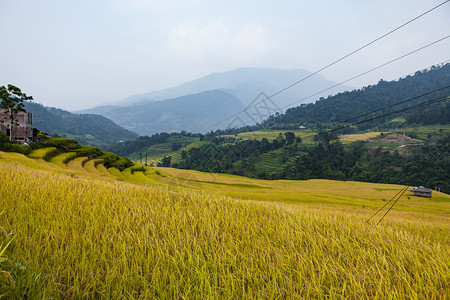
x=78, y=54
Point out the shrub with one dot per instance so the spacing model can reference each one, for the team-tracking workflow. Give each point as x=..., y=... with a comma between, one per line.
x=63, y=145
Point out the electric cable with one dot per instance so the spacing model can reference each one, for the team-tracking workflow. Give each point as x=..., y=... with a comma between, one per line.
x=338, y=60
x=432, y=159
x=429, y=102
x=366, y=72
x=341, y=83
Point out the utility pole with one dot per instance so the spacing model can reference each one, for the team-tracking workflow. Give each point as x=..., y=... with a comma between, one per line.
x=146, y=150
x=140, y=149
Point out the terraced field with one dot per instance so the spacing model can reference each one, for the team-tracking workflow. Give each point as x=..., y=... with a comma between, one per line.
x=70, y=161
x=350, y=195
x=307, y=135
x=69, y=232
x=274, y=161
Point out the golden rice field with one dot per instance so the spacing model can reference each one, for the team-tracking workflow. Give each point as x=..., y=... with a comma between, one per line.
x=72, y=233
x=348, y=138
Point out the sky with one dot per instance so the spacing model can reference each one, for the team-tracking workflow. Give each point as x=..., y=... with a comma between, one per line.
x=80, y=54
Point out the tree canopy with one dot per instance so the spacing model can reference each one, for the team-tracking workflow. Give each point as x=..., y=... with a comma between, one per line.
x=12, y=102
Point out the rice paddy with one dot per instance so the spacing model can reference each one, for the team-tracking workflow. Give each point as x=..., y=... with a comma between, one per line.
x=348, y=138
x=68, y=231
x=307, y=135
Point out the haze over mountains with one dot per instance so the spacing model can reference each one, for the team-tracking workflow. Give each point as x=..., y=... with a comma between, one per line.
x=197, y=105
x=192, y=113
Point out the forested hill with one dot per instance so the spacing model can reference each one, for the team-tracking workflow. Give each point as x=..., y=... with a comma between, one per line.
x=87, y=129
x=347, y=105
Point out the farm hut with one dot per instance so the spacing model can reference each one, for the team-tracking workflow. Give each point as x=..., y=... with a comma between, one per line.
x=422, y=192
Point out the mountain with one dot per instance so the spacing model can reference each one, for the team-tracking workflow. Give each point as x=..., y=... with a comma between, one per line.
x=193, y=113
x=89, y=129
x=244, y=83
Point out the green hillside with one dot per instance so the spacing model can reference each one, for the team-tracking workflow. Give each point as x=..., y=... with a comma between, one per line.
x=88, y=129
x=348, y=105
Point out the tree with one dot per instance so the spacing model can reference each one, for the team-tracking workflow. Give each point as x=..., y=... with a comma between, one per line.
x=166, y=161
x=11, y=103
x=290, y=137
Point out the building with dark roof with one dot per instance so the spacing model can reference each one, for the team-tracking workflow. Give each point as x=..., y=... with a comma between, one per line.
x=422, y=192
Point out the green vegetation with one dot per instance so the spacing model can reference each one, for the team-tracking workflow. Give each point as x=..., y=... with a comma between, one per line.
x=159, y=145
x=388, y=157
x=12, y=102
x=345, y=106
x=306, y=135
x=77, y=222
x=62, y=145
x=5, y=145
x=87, y=129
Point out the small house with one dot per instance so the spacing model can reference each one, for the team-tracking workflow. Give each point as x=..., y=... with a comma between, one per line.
x=22, y=129
x=422, y=192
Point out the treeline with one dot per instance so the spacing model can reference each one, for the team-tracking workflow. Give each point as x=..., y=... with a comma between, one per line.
x=219, y=155
x=360, y=163
x=128, y=147
x=343, y=106
x=324, y=160
x=437, y=114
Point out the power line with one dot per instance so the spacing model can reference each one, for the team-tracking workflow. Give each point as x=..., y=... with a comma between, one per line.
x=437, y=153
x=345, y=81
x=433, y=101
x=359, y=49
x=336, y=61
x=395, y=104
x=371, y=70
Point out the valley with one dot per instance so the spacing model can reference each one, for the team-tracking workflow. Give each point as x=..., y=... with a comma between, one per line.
x=302, y=205
x=225, y=150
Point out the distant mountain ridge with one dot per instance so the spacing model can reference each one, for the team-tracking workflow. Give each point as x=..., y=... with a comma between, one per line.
x=245, y=84
x=87, y=129
x=192, y=113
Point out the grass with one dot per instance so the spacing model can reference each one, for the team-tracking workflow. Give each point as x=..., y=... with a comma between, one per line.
x=63, y=158
x=78, y=164
x=90, y=166
x=87, y=237
x=317, y=192
x=43, y=153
